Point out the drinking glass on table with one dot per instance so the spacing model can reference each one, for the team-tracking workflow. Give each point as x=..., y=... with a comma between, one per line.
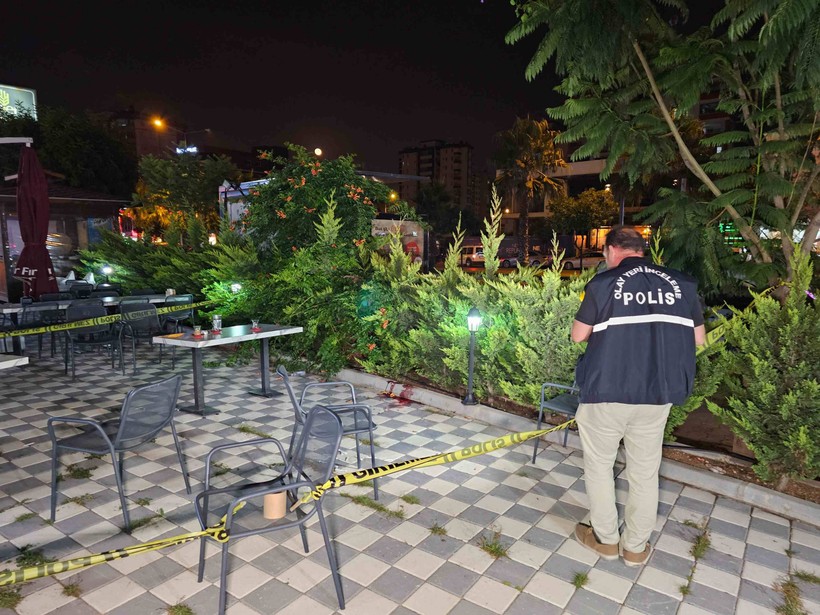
x=254, y=325
x=216, y=323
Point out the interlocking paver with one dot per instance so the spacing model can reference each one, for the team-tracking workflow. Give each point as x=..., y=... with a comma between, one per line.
x=388, y=565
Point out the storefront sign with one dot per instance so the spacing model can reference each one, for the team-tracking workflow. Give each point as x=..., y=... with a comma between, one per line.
x=12, y=98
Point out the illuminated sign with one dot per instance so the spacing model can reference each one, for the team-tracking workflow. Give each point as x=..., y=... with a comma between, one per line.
x=12, y=99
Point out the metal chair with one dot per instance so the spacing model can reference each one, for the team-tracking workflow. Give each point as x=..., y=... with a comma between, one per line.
x=139, y=322
x=146, y=411
x=41, y=314
x=310, y=463
x=356, y=418
x=563, y=403
x=81, y=290
x=176, y=318
x=101, y=335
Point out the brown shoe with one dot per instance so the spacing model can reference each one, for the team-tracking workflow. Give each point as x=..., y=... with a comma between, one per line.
x=586, y=536
x=636, y=559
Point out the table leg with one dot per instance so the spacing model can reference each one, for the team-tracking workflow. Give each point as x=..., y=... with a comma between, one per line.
x=264, y=366
x=199, y=406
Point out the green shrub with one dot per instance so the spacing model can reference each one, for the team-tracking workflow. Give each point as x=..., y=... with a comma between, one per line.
x=771, y=361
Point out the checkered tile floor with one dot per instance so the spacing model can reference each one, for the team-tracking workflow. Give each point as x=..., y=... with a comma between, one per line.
x=388, y=564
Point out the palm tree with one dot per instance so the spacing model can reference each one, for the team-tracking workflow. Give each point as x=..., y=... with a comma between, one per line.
x=526, y=154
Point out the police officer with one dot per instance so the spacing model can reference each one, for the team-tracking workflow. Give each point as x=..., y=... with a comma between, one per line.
x=641, y=322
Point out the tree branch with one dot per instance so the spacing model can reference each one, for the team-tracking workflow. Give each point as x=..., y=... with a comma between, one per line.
x=755, y=245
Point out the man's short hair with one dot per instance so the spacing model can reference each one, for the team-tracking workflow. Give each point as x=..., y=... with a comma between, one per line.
x=625, y=238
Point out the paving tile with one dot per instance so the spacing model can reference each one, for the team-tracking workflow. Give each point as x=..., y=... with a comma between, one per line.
x=550, y=589
x=431, y=600
x=759, y=594
x=564, y=568
x=527, y=604
x=710, y=599
x=646, y=600
x=585, y=602
x=396, y=584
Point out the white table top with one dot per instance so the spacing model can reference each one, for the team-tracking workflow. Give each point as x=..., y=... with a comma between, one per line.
x=10, y=360
x=16, y=308
x=229, y=335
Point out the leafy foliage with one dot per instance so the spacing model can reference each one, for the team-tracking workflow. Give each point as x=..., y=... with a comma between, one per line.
x=633, y=73
x=74, y=145
x=774, y=390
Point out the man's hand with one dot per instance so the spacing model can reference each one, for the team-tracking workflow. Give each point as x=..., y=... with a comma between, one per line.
x=581, y=331
x=700, y=335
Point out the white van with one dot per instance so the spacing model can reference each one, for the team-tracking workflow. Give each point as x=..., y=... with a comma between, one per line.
x=472, y=255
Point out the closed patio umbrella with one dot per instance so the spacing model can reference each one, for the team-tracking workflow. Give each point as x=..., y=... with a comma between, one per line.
x=34, y=266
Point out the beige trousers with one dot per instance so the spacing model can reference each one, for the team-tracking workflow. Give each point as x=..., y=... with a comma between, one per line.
x=601, y=427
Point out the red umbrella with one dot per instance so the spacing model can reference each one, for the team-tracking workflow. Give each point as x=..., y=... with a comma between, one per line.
x=34, y=266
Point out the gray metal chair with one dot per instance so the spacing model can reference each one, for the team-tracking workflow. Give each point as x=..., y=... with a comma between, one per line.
x=101, y=335
x=41, y=314
x=146, y=411
x=310, y=463
x=356, y=418
x=563, y=403
x=176, y=318
x=139, y=322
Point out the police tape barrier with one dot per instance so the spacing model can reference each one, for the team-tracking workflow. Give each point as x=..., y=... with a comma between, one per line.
x=480, y=448
x=102, y=320
x=10, y=577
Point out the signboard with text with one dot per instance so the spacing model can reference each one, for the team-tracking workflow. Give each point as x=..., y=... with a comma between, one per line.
x=12, y=99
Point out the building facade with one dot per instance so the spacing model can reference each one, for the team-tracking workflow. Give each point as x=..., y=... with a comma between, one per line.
x=448, y=164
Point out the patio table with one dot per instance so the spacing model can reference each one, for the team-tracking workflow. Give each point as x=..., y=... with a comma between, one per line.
x=7, y=361
x=229, y=335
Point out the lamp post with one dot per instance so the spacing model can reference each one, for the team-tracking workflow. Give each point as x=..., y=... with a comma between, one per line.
x=107, y=270
x=473, y=323
x=182, y=146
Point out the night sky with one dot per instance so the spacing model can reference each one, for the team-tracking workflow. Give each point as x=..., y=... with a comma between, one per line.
x=350, y=76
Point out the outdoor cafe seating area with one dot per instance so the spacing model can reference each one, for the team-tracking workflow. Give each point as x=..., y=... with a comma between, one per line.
x=424, y=546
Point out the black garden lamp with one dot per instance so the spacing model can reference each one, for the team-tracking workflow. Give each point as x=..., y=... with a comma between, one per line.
x=473, y=323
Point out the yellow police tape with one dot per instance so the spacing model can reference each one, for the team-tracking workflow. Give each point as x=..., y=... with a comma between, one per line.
x=102, y=320
x=219, y=533
x=480, y=448
x=9, y=577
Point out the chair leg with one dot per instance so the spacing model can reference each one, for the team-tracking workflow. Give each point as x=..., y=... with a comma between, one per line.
x=373, y=464
x=538, y=426
x=566, y=434
x=54, y=461
x=134, y=352
x=202, y=541
x=181, y=459
x=223, y=582
x=40, y=346
x=117, y=461
x=331, y=557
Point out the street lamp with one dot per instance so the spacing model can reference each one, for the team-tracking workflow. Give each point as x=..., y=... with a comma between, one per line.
x=107, y=270
x=182, y=146
x=473, y=323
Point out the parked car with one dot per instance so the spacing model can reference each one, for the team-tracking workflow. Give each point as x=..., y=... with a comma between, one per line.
x=472, y=255
x=536, y=259
x=591, y=259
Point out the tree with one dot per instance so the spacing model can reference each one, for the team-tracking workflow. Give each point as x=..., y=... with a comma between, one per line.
x=283, y=211
x=633, y=72
x=435, y=205
x=590, y=209
x=526, y=153
x=184, y=185
x=74, y=145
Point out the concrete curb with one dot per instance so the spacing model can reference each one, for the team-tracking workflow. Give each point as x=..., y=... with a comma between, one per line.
x=748, y=493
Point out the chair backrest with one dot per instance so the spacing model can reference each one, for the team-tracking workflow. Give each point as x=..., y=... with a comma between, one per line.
x=179, y=300
x=81, y=290
x=104, y=293
x=314, y=456
x=146, y=410
x=76, y=312
x=55, y=296
x=141, y=317
x=134, y=299
x=297, y=408
x=143, y=291
x=109, y=286
x=42, y=313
